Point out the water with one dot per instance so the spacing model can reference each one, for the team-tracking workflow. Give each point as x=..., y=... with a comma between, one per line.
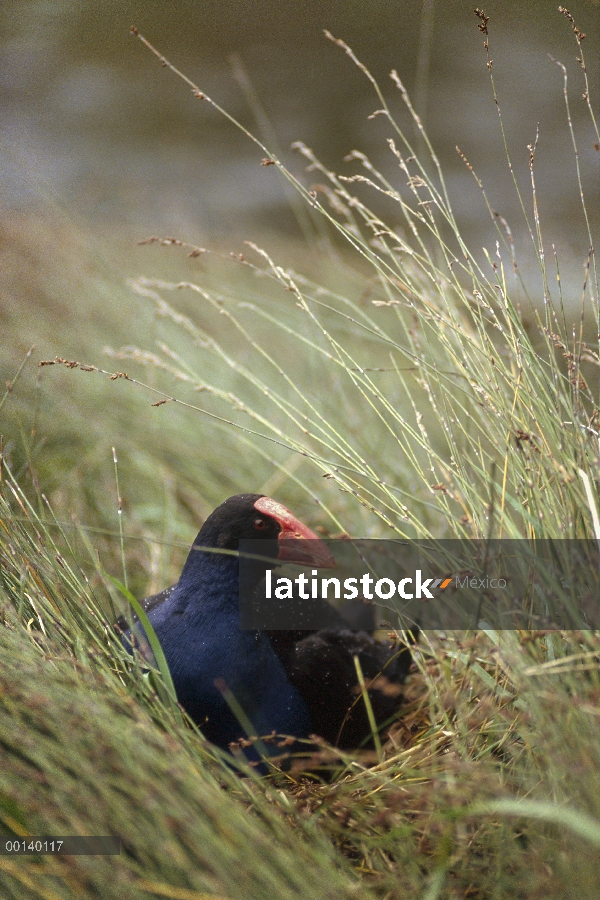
x=91, y=122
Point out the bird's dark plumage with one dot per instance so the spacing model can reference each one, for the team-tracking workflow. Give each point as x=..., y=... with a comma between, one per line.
x=197, y=624
x=321, y=667
x=290, y=682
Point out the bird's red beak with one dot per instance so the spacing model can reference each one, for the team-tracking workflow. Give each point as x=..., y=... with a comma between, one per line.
x=297, y=543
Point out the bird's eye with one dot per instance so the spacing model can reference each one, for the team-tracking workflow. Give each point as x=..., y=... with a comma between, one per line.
x=259, y=524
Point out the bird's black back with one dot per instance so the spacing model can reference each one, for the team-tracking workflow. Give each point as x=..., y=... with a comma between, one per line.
x=321, y=666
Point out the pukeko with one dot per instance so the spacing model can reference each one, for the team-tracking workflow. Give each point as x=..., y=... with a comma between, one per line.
x=291, y=682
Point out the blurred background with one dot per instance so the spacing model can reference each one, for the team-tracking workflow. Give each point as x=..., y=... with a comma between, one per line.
x=102, y=148
x=93, y=130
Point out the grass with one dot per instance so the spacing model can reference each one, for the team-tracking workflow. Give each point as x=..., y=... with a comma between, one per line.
x=401, y=391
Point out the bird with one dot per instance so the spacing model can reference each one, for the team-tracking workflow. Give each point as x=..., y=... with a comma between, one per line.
x=290, y=682
x=321, y=666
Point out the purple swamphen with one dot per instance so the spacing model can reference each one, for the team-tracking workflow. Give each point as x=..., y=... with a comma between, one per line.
x=290, y=682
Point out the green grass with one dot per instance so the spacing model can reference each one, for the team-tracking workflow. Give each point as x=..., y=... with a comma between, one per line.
x=397, y=387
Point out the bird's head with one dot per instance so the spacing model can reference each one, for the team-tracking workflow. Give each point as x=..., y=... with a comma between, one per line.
x=254, y=516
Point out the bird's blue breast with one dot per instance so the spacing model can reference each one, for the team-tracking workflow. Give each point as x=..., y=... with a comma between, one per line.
x=198, y=628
